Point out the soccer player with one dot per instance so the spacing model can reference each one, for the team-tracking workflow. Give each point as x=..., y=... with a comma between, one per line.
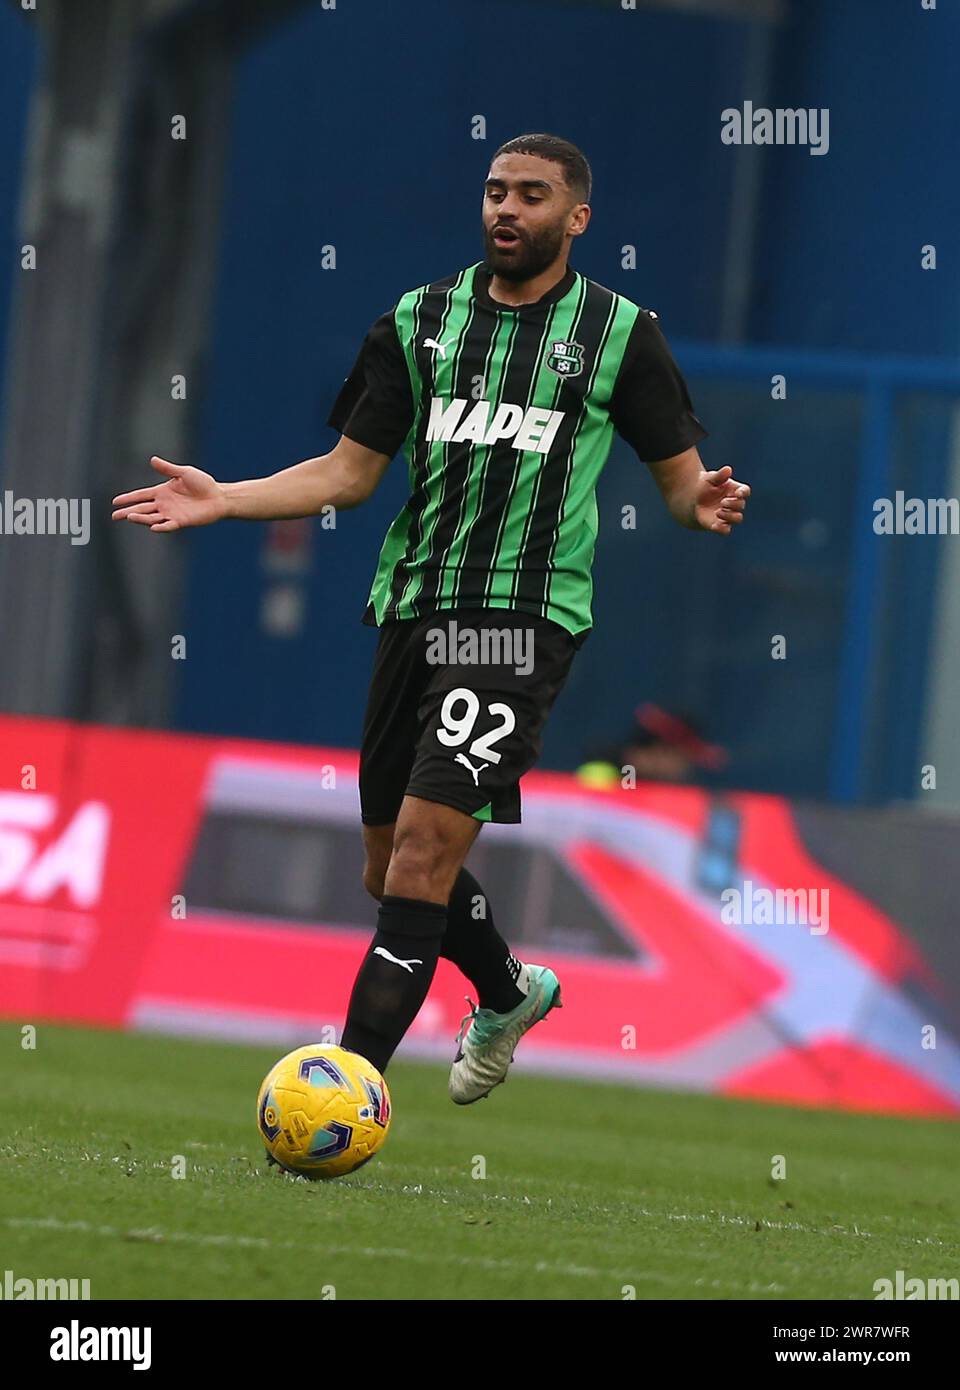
x=503, y=384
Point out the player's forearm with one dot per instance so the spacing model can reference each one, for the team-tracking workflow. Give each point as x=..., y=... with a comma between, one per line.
x=303, y=490
x=680, y=494
x=680, y=479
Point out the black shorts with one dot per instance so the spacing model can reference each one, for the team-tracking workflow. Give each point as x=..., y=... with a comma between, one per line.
x=456, y=710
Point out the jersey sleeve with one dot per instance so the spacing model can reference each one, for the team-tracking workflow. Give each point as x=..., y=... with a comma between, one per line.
x=651, y=407
x=375, y=404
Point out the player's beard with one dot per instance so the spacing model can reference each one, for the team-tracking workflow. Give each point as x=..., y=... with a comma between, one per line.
x=535, y=253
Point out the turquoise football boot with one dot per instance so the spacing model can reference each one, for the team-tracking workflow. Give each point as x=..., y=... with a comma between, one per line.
x=484, y=1055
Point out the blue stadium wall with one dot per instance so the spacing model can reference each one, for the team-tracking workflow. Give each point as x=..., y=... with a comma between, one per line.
x=352, y=129
x=19, y=53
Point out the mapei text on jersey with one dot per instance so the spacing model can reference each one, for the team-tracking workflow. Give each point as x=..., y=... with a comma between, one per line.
x=535, y=428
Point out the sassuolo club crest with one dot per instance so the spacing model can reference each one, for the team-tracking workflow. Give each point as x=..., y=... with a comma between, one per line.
x=566, y=359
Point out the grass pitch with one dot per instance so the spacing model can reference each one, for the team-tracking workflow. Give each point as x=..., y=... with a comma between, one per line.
x=589, y=1189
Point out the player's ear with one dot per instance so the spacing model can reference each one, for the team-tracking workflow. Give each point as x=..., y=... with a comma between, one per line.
x=579, y=219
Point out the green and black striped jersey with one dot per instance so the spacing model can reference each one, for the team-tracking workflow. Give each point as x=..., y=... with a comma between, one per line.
x=506, y=416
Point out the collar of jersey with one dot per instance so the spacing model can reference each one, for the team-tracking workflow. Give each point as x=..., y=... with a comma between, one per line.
x=481, y=291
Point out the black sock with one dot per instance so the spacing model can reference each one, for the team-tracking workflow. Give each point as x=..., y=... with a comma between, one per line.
x=476, y=948
x=387, y=995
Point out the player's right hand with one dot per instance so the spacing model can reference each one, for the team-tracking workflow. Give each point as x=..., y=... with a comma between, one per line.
x=190, y=497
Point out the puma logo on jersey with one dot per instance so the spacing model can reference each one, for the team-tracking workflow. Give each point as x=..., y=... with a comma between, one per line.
x=438, y=347
x=474, y=771
x=407, y=964
x=534, y=428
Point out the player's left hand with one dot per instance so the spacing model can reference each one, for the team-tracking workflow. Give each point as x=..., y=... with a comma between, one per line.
x=720, y=501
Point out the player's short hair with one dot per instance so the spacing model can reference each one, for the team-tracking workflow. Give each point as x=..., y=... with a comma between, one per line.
x=572, y=161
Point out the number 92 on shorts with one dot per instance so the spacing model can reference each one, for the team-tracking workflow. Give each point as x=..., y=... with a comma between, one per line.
x=456, y=709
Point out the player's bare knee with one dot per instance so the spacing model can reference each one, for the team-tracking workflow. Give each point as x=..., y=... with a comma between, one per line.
x=415, y=860
x=426, y=843
x=420, y=864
